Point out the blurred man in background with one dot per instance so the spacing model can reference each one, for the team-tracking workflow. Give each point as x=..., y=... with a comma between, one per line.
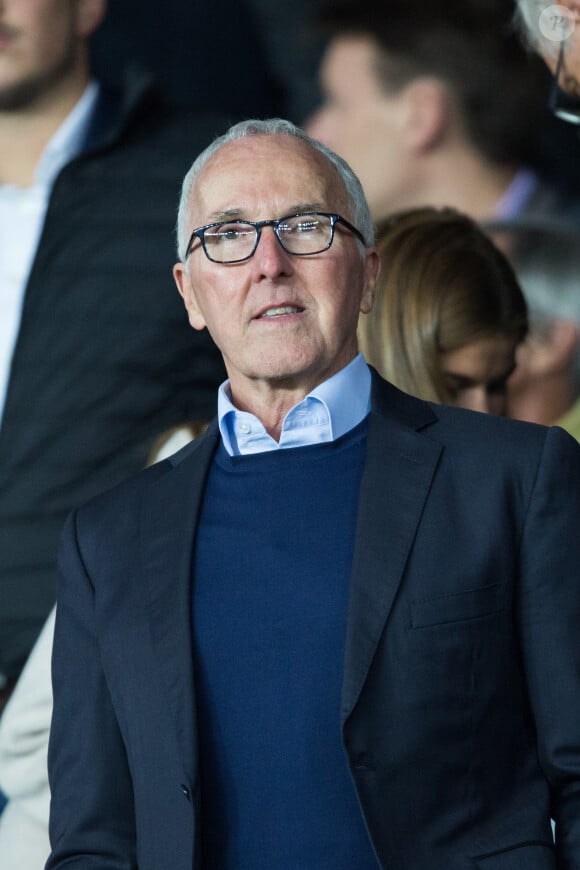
x=88, y=183
x=435, y=104
x=545, y=387
x=441, y=105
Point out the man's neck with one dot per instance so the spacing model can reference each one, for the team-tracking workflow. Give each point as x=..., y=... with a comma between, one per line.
x=460, y=178
x=25, y=133
x=270, y=400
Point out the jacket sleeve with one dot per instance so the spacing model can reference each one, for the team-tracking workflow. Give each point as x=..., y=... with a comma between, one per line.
x=549, y=624
x=92, y=815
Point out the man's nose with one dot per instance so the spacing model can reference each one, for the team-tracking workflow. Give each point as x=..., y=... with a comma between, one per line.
x=270, y=258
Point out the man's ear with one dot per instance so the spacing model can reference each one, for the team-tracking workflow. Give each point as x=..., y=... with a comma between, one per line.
x=427, y=114
x=372, y=268
x=186, y=291
x=90, y=14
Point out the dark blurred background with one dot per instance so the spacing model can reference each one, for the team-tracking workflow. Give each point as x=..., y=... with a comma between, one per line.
x=240, y=57
x=246, y=58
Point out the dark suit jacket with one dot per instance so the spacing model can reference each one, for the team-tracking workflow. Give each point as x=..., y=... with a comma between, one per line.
x=461, y=694
x=105, y=359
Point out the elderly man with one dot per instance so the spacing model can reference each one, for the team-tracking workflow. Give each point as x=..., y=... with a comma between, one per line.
x=553, y=29
x=340, y=629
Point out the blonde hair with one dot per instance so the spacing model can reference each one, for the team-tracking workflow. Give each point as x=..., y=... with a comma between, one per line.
x=443, y=285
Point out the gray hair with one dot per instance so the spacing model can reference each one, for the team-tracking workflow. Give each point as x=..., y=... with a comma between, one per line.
x=527, y=22
x=360, y=213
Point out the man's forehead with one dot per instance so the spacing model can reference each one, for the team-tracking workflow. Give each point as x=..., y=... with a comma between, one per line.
x=261, y=168
x=260, y=157
x=270, y=146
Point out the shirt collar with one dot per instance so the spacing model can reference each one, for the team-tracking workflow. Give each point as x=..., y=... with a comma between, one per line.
x=329, y=411
x=69, y=139
x=515, y=198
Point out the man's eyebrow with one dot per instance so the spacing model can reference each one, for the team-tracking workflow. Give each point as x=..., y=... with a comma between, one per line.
x=238, y=214
x=306, y=208
x=226, y=214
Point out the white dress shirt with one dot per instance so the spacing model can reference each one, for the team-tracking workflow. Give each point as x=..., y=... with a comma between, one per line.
x=22, y=212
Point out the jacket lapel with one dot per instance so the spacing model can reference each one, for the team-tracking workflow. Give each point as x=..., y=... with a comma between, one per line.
x=168, y=521
x=399, y=467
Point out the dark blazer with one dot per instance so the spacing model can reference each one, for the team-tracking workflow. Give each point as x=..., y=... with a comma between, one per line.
x=461, y=692
x=105, y=359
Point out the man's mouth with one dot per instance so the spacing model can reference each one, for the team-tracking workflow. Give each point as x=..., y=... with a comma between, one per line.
x=280, y=311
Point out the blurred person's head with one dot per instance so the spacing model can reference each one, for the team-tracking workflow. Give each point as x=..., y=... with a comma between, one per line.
x=417, y=94
x=546, y=383
x=548, y=31
x=44, y=49
x=449, y=313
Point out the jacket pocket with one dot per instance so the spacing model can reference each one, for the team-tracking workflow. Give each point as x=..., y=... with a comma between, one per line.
x=528, y=856
x=459, y=606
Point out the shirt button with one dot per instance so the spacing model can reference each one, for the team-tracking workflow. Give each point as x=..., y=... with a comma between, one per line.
x=245, y=428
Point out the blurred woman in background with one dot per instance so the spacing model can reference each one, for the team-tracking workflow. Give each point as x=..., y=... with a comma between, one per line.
x=449, y=313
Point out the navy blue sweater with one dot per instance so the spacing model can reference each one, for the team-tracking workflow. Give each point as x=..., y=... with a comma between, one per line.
x=270, y=597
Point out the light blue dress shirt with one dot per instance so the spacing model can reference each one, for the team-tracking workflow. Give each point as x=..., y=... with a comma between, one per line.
x=332, y=409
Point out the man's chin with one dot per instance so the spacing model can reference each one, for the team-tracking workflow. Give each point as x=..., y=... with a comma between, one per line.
x=28, y=91
x=280, y=374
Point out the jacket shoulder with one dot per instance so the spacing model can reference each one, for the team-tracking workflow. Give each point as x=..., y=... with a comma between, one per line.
x=127, y=495
x=468, y=431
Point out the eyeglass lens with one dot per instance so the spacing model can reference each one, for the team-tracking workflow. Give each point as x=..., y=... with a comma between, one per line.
x=300, y=234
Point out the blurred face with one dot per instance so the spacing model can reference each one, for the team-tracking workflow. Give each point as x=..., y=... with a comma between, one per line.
x=569, y=78
x=476, y=375
x=282, y=320
x=362, y=123
x=39, y=45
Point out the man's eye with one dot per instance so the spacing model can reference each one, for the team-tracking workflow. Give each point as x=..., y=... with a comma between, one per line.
x=303, y=227
x=228, y=234
x=308, y=226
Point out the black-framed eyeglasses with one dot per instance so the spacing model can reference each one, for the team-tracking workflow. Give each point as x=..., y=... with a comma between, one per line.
x=563, y=105
x=299, y=234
